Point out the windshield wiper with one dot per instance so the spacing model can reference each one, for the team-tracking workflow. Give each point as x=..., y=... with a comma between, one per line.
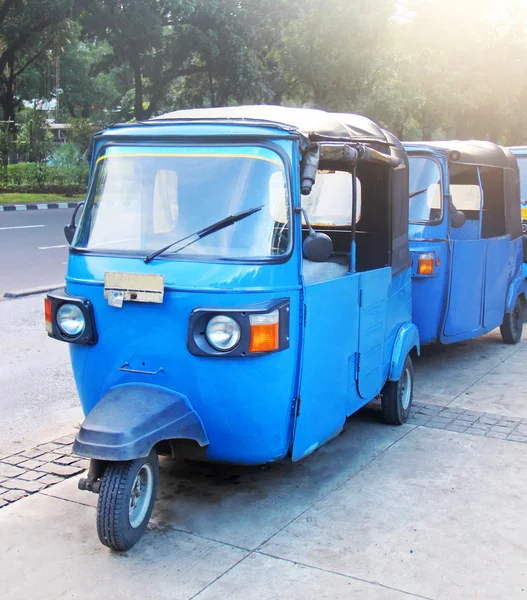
x=198, y=235
x=418, y=192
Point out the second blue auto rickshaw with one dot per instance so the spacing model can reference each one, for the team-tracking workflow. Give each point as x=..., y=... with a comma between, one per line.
x=466, y=241
x=238, y=284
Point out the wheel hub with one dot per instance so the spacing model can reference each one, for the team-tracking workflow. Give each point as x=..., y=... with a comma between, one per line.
x=406, y=389
x=140, y=495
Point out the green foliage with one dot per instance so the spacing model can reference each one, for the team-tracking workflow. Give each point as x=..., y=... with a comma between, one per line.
x=40, y=177
x=34, y=136
x=422, y=68
x=81, y=132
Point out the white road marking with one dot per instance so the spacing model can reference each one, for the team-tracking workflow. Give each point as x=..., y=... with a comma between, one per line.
x=21, y=227
x=51, y=247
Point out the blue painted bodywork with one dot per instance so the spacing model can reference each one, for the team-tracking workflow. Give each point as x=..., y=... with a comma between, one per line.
x=347, y=336
x=407, y=339
x=466, y=295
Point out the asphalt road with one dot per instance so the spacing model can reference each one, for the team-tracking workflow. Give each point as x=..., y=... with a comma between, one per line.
x=38, y=399
x=33, y=249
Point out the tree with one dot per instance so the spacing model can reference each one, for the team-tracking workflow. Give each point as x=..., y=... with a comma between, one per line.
x=207, y=52
x=27, y=29
x=332, y=51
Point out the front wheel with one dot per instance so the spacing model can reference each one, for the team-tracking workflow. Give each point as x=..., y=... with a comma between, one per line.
x=397, y=396
x=512, y=326
x=126, y=499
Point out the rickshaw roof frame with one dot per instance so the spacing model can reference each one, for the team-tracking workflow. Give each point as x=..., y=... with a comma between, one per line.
x=478, y=153
x=473, y=152
x=310, y=124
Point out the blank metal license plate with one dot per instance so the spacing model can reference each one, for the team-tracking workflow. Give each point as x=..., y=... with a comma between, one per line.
x=133, y=287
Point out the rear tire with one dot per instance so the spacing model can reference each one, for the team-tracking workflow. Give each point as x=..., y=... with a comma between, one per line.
x=126, y=500
x=512, y=326
x=397, y=396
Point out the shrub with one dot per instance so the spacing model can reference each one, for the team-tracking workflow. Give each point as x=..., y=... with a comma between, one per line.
x=40, y=177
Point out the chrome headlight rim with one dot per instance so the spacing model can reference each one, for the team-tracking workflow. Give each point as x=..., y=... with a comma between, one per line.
x=227, y=328
x=75, y=315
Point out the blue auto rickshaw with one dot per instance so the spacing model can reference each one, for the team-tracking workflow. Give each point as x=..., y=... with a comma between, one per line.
x=238, y=284
x=465, y=241
x=520, y=152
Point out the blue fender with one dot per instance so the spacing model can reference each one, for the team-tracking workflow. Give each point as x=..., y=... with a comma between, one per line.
x=130, y=419
x=407, y=338
x=517, y=286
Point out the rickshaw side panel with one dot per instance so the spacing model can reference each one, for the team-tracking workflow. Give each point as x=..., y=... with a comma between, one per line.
x=374, y=299
x=465, y=297
x=333, y=361
x=329, y=362
x=401, y=334
x=497, y=277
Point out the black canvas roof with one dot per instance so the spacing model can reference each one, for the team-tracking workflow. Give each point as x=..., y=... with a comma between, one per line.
x=473, y=152
x=312, y=123
x=486, y=154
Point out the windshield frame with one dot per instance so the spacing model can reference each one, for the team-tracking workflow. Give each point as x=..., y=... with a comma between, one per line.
x=230, y=141
x=429, y=156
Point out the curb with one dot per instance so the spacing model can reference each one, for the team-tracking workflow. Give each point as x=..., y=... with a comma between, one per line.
x=14, y=207
x=33, y=291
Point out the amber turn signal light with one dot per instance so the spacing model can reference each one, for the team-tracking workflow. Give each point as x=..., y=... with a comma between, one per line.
x=425, y=263
x=264, y=332
x=47, y=315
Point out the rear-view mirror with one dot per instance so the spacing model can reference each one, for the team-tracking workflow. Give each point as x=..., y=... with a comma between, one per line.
x=457, y=219
x=69, y=230
x=317, y=247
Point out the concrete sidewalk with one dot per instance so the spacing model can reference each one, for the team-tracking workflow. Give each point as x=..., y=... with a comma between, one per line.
x=433, y=509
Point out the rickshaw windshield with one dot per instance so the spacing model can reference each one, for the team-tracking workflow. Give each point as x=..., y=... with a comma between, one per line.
x=143, y=198
x=522, y=164
x=425, y=190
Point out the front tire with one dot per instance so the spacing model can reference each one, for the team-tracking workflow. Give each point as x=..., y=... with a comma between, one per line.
x=512, y=327
x=397, y=396
x=126, y=500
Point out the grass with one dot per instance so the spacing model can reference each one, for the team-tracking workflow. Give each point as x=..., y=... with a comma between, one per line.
x=37, y=198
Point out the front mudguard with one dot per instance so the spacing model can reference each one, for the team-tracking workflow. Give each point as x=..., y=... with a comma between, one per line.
x=406, y=340
x=517, y=287
x=131, y=419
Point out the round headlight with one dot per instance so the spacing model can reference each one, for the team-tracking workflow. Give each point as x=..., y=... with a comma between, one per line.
x=70, y=320
x=223, y=333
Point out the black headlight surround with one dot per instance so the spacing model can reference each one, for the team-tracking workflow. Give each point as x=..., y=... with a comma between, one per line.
x=198, y=345
x=88, y=337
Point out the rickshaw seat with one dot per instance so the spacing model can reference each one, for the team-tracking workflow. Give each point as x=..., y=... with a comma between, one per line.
x=315, y=272
x=469, y=231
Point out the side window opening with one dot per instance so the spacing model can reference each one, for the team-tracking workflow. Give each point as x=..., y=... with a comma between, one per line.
x=480, y=196
x=330, y=202
x=493, y=220
x=466, y=195
x=329, y=208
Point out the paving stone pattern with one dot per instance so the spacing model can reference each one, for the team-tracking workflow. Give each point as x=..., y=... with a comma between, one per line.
x=461, y=420
x=31, y=471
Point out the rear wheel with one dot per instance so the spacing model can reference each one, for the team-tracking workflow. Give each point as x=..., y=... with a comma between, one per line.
x=397, y=396
x=126, y=499
x=512, y=326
